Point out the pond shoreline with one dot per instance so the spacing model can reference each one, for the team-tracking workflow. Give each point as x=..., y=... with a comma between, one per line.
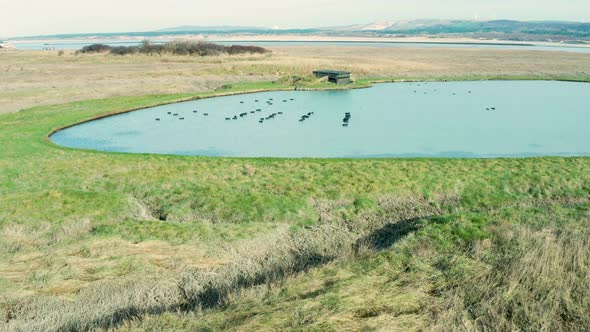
x=356, y=142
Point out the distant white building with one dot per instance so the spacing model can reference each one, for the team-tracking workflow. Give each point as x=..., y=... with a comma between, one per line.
x=5, y=45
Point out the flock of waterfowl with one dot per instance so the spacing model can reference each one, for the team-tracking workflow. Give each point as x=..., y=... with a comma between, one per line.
x=271, y=116
x=454, y=93
x=304, y=117
x=177, y=115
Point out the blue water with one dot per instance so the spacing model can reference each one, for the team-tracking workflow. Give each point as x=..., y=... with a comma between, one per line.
x=76, y=45
x=34, y=45
x=525, y=47
x=446, y=119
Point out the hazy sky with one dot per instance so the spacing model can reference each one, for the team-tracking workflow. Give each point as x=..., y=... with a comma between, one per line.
x=33, y=17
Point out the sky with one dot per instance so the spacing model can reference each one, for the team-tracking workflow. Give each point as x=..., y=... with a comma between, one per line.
x=41, y=17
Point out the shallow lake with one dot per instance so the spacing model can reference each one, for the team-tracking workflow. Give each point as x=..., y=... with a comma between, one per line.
x=78, y=44
x=446, y=119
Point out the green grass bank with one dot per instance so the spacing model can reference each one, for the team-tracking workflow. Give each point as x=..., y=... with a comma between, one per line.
x=77, y=227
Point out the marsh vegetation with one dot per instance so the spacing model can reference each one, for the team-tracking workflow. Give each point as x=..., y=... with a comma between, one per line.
x=190, y=48
x=43, y=78
x=91, y=240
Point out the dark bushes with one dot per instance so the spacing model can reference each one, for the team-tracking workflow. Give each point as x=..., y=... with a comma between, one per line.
x=96, y=48
x=177, y=48
x=195, y=48
x=240, y=49
x=124, y=50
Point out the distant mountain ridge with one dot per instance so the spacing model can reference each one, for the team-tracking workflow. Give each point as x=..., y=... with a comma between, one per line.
x=226, y=28
x=494, y=29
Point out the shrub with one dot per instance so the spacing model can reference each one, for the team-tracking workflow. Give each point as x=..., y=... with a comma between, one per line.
x=240, y=49
x=124, y=50
x=176, y=47
x=96, y=48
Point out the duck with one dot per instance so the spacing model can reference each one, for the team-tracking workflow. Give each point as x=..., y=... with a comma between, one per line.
x=157, y=119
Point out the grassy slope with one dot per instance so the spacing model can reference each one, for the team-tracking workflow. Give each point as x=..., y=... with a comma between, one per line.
x=69, y=219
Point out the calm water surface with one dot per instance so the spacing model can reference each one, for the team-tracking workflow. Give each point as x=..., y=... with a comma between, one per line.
x=76, y=45
x=450, y=119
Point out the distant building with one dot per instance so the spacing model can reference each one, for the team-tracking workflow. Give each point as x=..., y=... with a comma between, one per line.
x=334, y=76
x=5, y=45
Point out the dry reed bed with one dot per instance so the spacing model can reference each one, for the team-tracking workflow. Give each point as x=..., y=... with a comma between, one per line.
x=348, y=227
x=30, y=78
x=518, y=268
x=106, y=304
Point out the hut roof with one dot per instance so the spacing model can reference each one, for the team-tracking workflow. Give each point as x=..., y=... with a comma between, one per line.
x=332, y=72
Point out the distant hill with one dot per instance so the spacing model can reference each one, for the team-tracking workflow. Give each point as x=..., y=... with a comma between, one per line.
x=498, y=29
x=185, y=28
x=572, y=32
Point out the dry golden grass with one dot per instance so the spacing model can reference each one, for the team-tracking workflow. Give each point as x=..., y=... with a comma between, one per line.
x=67, y=270
x=517, y=269
x=31, y=78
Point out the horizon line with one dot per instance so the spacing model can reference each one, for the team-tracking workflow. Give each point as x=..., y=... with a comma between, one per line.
x=243, y=28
